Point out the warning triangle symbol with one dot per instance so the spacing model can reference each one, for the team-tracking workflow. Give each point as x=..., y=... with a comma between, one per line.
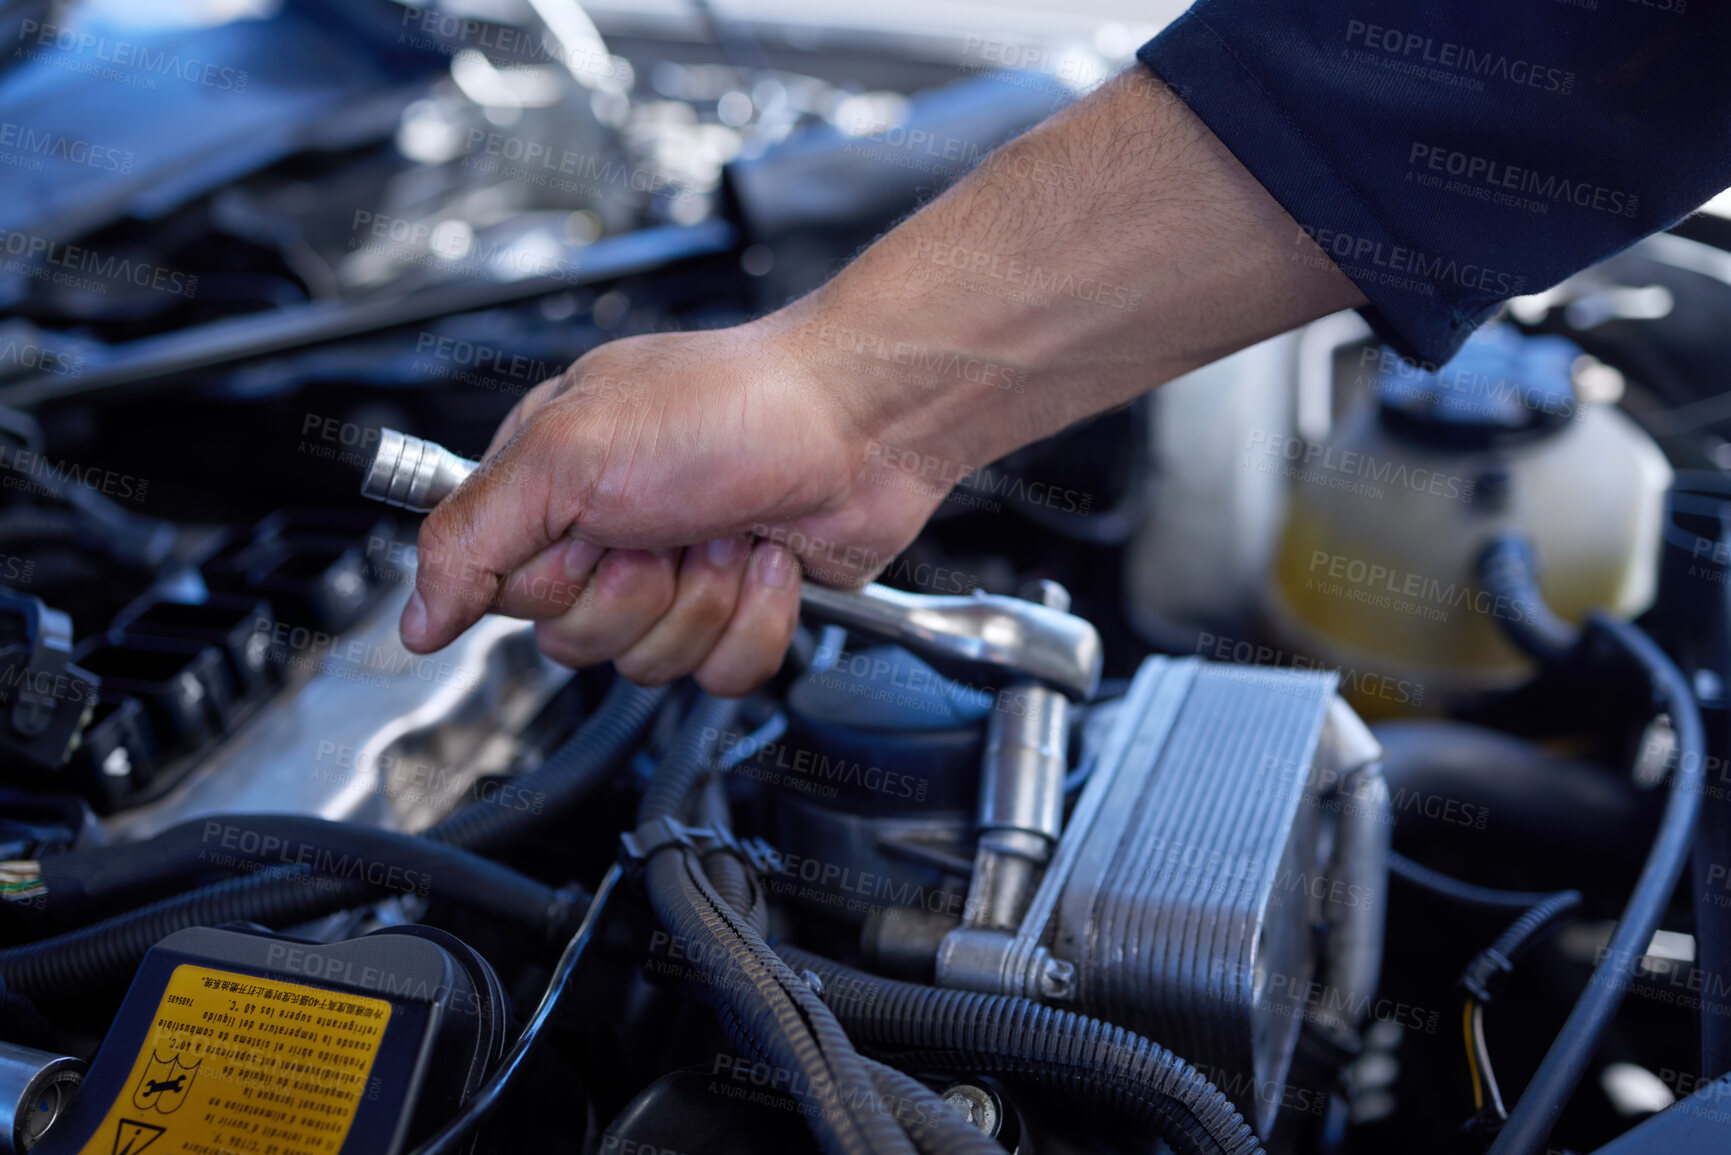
x=131, y=1136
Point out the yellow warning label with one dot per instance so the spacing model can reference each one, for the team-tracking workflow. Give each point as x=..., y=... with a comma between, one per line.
x=238, y=1065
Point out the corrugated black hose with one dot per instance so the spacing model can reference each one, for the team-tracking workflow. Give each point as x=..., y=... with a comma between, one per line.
x=1483, y=981
x=772, y=1006
x=935, y=1127
x=766, y=1008
x=1022, y=1040
x=568, y=776
x=932, y=1124
x=106, y=952
x=672, y=789
x=1521, y=936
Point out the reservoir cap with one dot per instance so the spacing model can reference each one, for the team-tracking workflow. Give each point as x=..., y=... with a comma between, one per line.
x=1502, y=388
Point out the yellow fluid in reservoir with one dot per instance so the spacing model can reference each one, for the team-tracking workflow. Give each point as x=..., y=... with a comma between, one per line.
x=1374, y=572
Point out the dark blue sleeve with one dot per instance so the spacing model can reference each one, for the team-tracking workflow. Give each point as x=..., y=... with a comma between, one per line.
x=1448, y=157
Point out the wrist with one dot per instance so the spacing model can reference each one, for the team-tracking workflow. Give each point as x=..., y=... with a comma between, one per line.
x=917, y=407
x=1108, y=250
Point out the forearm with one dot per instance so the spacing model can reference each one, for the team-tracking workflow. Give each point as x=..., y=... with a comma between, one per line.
x=1103, y=253
x=1108, y=250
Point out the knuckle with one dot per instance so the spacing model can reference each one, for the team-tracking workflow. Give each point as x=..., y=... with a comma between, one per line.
x=758, y=665
x=709, y=605
x=430, y=539
x=645, y=671
x=560, y=646
x=724, y=683
x=649, y=590
x=660, y=597
x=541, y=394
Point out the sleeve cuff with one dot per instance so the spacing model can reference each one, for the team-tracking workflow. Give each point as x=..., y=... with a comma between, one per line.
x=1419, y=302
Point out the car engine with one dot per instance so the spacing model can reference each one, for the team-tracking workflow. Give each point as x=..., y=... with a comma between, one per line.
x=1320, y=755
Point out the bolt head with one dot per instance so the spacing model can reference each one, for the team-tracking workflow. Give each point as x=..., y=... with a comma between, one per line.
x=1057, y=979
x=977, y=1105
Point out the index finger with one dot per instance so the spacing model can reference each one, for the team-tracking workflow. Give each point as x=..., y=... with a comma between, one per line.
x=513, y=507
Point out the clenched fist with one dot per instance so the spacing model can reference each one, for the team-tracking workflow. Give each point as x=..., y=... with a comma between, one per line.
x=651, y=505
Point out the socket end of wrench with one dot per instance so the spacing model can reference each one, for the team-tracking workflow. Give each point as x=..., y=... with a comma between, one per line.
x=412, y=473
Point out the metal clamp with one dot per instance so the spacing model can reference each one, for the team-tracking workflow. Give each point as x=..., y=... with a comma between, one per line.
x=638, y=846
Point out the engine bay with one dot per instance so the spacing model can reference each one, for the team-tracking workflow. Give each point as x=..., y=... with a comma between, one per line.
x=1318, y=755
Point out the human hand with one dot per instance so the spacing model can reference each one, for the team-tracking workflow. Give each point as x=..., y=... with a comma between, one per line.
x=618, y=505
x=656, y=503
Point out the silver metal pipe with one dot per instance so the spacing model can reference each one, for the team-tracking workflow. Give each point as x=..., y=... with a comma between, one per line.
x=36, y=1088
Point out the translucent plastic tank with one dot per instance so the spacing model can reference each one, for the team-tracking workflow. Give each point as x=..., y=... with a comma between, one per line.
x=1374, y=571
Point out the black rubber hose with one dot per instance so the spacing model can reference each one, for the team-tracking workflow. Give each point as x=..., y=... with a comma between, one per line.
x=106, y=952
x=569, y=775
x=685, y=787
x=103, y=953
x=1082, y=1057
x=1525, y=932
x=935, y=1127
x=772, y=1008
x=1508, y=570
x=1484, y=976
x=732, y=881
x=766, y=1008
x=454, y=1138
x=672, y=789
x=1463, y=893
x=385, y=860
x=1536, y=1112
x=1511, y=788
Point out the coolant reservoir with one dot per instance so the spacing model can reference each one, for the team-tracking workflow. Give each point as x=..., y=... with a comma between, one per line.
x=1374, y=571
